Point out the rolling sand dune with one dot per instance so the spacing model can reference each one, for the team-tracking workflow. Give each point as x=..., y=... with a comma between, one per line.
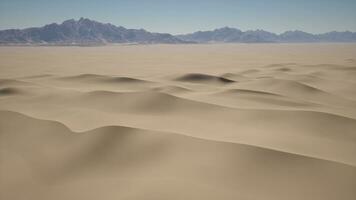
x=271, y=121
x=153, y=165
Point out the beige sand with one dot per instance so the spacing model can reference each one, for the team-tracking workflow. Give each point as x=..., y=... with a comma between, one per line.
x=266, y=121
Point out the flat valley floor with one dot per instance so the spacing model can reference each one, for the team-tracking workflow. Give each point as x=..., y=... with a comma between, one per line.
x=158, y=122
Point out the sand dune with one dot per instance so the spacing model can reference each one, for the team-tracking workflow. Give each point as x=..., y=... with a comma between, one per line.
x=297, y=90
x=55, y=163
x=13, y=82
x=249, y=92
x=178, y=122
x=9, y=91
x=164, y=112
x=238, y=97
x=171, y=89
x=204, y=78
x=94, y=78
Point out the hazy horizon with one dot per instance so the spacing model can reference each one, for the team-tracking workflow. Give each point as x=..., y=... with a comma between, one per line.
x=221, y=27
x=182, y=17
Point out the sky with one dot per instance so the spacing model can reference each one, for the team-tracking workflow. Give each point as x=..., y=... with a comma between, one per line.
x=185, y=16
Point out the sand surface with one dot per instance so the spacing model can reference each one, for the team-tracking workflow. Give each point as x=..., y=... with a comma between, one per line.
x=254, y=122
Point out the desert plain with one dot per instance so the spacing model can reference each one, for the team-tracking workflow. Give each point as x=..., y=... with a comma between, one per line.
x=212, y=121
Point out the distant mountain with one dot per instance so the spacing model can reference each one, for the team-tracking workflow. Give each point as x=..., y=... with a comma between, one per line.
x=298, y=36
x=233, y=35
x=225, y=34
x=229, y=35
x=83, y=31
x=88, y=32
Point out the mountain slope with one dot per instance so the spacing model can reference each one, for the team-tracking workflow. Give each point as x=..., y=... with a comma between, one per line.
x=83, y=31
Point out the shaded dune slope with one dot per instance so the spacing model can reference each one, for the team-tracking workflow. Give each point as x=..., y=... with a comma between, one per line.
x=9, y=91
x=94, y=78
x=204, y=78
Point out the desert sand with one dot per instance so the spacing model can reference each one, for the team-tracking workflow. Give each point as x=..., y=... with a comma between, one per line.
x=217, y=121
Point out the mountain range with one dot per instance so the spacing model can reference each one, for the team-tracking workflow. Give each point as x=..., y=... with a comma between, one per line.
x=233, y=35
x=85, y=32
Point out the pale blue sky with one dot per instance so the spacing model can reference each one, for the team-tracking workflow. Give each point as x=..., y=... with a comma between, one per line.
x=183, y=16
